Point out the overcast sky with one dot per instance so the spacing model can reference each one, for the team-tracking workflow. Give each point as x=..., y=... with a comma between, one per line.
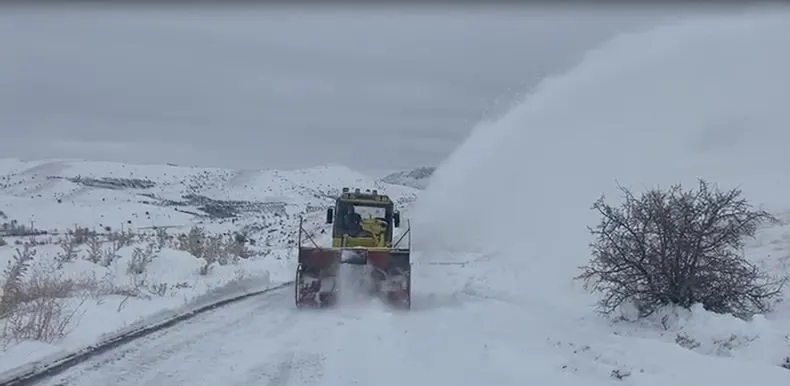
x=379, y=88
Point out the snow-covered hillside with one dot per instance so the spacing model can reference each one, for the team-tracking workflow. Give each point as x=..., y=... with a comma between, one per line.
x=107, y=234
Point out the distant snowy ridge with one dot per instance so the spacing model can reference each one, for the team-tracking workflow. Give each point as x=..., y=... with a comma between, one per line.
x=98, y=194
x=416, y=178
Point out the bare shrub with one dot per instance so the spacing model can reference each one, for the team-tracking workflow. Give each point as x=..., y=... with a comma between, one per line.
x=619, y=374
x=205, y=269
x=42, y=319
x=108, y=286
x=80, y=235
x=69, y=250
x=14, y=276
x=222, y=249
x=679, y=247
x=214, y=250
x=118, y=240
x=111, y=254
x=159, y=289
x=192, y=242
x=162, y=238
x=43, y=303
x=14, y=228
x=122, y=238
x=685, y=341
x=93, y=250
x=141, y=257
x=237, y=246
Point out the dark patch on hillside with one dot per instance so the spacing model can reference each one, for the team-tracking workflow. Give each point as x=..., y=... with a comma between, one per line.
x=109, y=182
x=415, y=178
x=217, y=209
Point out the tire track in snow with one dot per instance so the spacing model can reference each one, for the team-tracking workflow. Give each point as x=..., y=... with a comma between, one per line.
x=197, y=352
x=267, y=341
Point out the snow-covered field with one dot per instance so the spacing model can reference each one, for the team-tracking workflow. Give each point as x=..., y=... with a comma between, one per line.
x=106, y=288
x=499, y=234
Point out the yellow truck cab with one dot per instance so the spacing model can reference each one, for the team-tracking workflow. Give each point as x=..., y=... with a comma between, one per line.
x=362, y=219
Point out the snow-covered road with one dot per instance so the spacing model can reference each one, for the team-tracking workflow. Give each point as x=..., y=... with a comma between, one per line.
x=267, y=341
x=458, y=333
x=252, y=342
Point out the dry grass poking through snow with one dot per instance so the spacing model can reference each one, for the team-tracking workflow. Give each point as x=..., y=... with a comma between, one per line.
x=39, y=301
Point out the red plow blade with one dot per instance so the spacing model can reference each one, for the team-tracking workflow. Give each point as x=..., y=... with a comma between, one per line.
x=383, y=273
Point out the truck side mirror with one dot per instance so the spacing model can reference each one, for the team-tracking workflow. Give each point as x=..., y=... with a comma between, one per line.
x=396, y=219
x=329, y=215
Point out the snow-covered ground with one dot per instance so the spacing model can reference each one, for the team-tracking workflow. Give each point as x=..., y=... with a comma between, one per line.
x=500, y=232
x=104, y=294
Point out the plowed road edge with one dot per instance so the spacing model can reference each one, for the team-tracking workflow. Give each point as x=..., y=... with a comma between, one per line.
x=29, y=374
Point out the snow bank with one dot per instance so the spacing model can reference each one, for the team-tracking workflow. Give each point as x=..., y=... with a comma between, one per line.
x=699, y=98
x=110, y=298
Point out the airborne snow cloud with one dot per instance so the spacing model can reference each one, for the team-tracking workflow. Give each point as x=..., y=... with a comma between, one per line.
x=706, y=97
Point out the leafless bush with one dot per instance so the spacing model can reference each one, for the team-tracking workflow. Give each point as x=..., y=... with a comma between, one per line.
x=162, y=238
x=122, y=238
x=37, y=301
x=686, y=341
x=222, y=249
x=110, y=254
x=42, y=319
x=679, y=247
x=192, y=242
x=619, y=374
x=69, y=250
x=14, y=276
x=159, y=289
x=141, y=257
x=80, y=235
x=93, y=250
x=14, y=228
x=205, y=269
x=117, y=239
x=237, y=246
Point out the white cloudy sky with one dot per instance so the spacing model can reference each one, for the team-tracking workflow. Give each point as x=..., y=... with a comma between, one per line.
x=386, y=88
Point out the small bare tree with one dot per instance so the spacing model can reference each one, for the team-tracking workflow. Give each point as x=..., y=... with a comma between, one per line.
x=69, y=250
x=679, y=247
x=14, y=279
x=36, y=302
x=94, y=252
x=141, y=257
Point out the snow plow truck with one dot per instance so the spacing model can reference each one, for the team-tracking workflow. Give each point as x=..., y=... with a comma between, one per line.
x=362, y=258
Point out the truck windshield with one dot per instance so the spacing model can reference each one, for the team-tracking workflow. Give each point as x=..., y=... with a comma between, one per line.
x=369, y=212
x=351, y=216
